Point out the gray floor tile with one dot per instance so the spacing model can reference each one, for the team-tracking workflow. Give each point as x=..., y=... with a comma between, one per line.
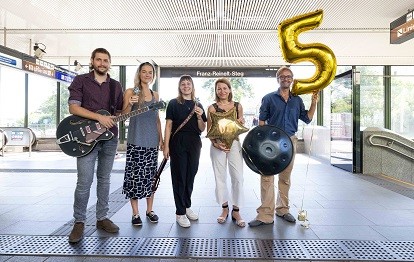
x=384, y=217
x=27, y=259
x=396, y=233
x=65, y=259
x=31, y=228
x=349, y=204
x=347, y=232
x=6, y=208
x=339, y=217
x=4, y=258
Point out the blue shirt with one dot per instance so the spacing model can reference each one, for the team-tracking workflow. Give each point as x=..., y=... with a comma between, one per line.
x=284, y=115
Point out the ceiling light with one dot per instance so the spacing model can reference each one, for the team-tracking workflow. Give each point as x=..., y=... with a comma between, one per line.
x=38, y=51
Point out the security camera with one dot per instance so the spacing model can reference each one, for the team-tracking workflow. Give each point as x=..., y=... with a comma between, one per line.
x=38, y=51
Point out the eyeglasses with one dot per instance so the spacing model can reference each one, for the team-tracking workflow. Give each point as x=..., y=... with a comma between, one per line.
x=285, y=77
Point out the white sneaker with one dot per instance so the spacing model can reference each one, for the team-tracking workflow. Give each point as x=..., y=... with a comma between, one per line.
x=183, y=221
x=190, y=214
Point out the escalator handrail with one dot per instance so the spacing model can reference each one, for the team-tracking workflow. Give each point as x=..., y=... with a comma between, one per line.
x=390, y=143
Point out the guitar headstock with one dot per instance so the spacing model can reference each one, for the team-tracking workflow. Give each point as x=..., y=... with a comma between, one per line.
x=157, y=105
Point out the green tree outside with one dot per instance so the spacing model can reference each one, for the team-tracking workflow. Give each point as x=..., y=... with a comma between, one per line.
x=240, y=87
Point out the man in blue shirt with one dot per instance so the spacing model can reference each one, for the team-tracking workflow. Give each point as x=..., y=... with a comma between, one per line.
x=283, y=110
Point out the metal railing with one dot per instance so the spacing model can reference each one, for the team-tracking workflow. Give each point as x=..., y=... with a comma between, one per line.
x=391, y=141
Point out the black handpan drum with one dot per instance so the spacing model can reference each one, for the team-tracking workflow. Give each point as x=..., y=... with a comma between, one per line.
x=267, y=150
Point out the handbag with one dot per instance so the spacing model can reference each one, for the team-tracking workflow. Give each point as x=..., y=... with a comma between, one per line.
x=165, y=160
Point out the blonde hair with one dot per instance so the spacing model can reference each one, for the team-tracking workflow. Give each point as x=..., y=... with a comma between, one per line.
x=137, y=81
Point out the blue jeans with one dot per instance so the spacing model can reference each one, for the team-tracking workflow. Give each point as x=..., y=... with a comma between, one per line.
x=105, y=152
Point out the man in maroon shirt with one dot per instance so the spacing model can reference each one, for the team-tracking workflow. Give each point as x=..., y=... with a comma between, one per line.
x=87, y=94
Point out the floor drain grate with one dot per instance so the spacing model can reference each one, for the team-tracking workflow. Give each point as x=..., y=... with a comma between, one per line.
x=8, y=242
x=286, y=249
x=120, y=246
x=329, y=249
x=210, y=248
x=34, y=245
x=403, y=249
x=198, y=247
x=241, y=248
x=369, y=250
x=157, y=247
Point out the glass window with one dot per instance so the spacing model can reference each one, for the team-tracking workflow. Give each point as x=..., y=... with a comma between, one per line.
x=402, y=105
x=64, y=96
x=42, y=105
x=130, y=75
x=371, y=96
x=12, y=97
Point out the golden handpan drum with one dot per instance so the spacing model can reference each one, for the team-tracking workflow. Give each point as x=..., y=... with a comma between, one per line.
x=267, y=150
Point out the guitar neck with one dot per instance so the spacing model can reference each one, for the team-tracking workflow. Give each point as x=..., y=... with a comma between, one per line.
x=131, y=114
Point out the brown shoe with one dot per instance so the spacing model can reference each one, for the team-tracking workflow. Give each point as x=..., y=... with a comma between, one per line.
x=77, y=232
x=107, y=225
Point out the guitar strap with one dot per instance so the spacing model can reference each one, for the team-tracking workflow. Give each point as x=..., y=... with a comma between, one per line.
x=112, y=87
x=185, y=121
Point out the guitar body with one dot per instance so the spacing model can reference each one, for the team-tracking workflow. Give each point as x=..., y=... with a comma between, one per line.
x=77, y=136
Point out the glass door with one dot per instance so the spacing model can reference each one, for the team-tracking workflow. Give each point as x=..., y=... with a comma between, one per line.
x=341, y=121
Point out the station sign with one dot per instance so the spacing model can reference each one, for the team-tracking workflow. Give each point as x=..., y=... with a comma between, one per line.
x=218, y=72
x=31, y=64
x=10, y=61
x=64, y=75
x=38, y=69
x=402, y=29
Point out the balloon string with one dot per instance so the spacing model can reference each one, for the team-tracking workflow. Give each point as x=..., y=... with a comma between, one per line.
x=307, y=166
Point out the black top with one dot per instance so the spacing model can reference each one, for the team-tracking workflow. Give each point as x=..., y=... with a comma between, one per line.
x=179, y=112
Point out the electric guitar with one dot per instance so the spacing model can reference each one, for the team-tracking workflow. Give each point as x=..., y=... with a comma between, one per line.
x=77, y=136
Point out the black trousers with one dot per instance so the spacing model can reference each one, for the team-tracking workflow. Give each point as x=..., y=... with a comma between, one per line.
x=185, y=148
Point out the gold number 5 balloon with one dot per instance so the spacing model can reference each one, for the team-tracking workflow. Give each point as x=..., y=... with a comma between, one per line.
x=294, y=52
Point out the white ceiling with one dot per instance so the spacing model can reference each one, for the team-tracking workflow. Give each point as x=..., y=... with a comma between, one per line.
x=201, y=33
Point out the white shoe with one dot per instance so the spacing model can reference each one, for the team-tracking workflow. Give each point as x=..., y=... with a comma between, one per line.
x=190, y=214
x=183, y=221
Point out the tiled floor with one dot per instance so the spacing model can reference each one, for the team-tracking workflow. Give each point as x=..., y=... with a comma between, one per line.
x=36, y=197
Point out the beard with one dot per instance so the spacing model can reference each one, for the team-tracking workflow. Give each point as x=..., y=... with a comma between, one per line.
x=100, y=71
